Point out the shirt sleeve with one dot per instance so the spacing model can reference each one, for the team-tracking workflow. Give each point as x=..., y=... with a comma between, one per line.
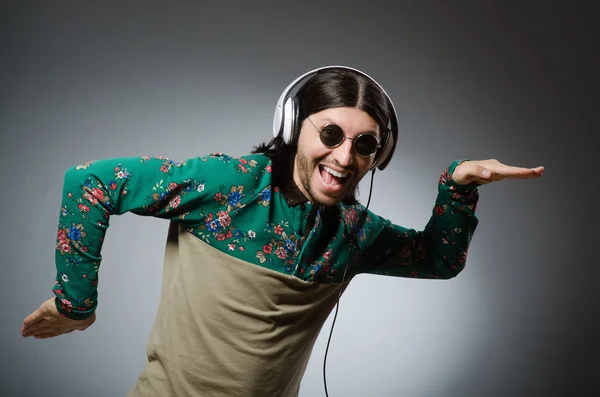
x=96, y=190
x=439, y=251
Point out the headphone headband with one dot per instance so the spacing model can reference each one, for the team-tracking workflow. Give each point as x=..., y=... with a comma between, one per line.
x=286, y=114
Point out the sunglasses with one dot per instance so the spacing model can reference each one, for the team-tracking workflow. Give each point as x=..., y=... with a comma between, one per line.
x=333, y=136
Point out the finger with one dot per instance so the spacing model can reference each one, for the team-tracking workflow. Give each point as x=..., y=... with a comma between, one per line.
x=50, y=333
x=476, y=173
x=485, y=173
x=522, y=170
x=40, y=323
x=32, y=319
x=522, y=173
x=44, y=323
x=513, y=170
x=46, y=335
x=39, y=331
x=482, y=175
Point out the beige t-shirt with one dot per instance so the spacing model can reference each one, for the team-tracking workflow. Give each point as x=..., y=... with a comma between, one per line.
x=226, y=327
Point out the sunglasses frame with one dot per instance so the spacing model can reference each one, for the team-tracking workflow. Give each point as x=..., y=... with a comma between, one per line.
x=344, y=137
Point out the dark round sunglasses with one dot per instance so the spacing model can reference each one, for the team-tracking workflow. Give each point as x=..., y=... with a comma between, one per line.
x=333, y=136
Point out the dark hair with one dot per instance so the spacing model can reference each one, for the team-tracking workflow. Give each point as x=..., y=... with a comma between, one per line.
x=330, y=88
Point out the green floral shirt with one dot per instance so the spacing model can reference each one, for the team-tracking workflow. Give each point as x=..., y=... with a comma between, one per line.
x=231, y=204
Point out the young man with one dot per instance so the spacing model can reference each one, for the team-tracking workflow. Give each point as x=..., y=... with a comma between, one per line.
x=260, y=246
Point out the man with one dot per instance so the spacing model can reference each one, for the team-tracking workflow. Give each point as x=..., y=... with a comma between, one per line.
x=260, y=247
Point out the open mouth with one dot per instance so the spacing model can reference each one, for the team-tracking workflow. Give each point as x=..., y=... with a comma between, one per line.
x=331, y=177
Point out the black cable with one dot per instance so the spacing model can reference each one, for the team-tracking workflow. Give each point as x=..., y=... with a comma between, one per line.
x=361, y=220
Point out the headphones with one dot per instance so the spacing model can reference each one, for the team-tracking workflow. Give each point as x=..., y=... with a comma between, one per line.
x=285, y=121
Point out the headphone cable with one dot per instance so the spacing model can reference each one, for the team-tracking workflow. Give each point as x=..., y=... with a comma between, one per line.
x=363, y=216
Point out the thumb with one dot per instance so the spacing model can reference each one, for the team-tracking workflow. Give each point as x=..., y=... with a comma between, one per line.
x=32, y=319
x=484, y=172
x=471, y=171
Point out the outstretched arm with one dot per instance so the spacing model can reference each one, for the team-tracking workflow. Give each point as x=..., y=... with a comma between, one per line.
x=440, y=250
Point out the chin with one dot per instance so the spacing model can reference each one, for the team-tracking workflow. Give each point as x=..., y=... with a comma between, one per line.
x=327, y=201
x=327, y=195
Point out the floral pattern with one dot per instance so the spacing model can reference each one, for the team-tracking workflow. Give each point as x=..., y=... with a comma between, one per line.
x=230, y=203
x=70, y=238
x=281, y=246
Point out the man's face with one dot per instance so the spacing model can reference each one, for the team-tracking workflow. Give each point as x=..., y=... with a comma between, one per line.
x=326, y=174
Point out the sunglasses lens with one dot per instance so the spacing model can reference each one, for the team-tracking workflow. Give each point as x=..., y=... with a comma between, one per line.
x=332, y=135
x=366, y=145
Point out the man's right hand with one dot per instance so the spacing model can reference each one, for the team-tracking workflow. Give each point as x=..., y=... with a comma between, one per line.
x=47, y=322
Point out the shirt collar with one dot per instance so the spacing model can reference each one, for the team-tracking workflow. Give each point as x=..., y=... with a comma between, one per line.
x=292, y=194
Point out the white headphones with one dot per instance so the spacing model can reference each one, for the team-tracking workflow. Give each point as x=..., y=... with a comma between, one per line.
x=286, y=115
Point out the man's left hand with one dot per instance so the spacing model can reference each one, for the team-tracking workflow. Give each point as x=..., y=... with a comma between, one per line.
x=487, y=171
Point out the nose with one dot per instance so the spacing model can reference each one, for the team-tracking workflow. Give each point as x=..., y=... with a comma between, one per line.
x=344, y=154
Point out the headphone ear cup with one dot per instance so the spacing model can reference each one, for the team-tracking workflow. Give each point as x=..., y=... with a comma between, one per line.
x=384, y=154
x=379, y=153
x=287, y=123
x=295, y=121
x=277, y=118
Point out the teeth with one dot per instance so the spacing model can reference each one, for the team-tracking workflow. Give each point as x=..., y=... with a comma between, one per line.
x=335, y=173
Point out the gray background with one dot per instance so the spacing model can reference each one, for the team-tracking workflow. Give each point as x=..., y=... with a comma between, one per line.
x=88, y=80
